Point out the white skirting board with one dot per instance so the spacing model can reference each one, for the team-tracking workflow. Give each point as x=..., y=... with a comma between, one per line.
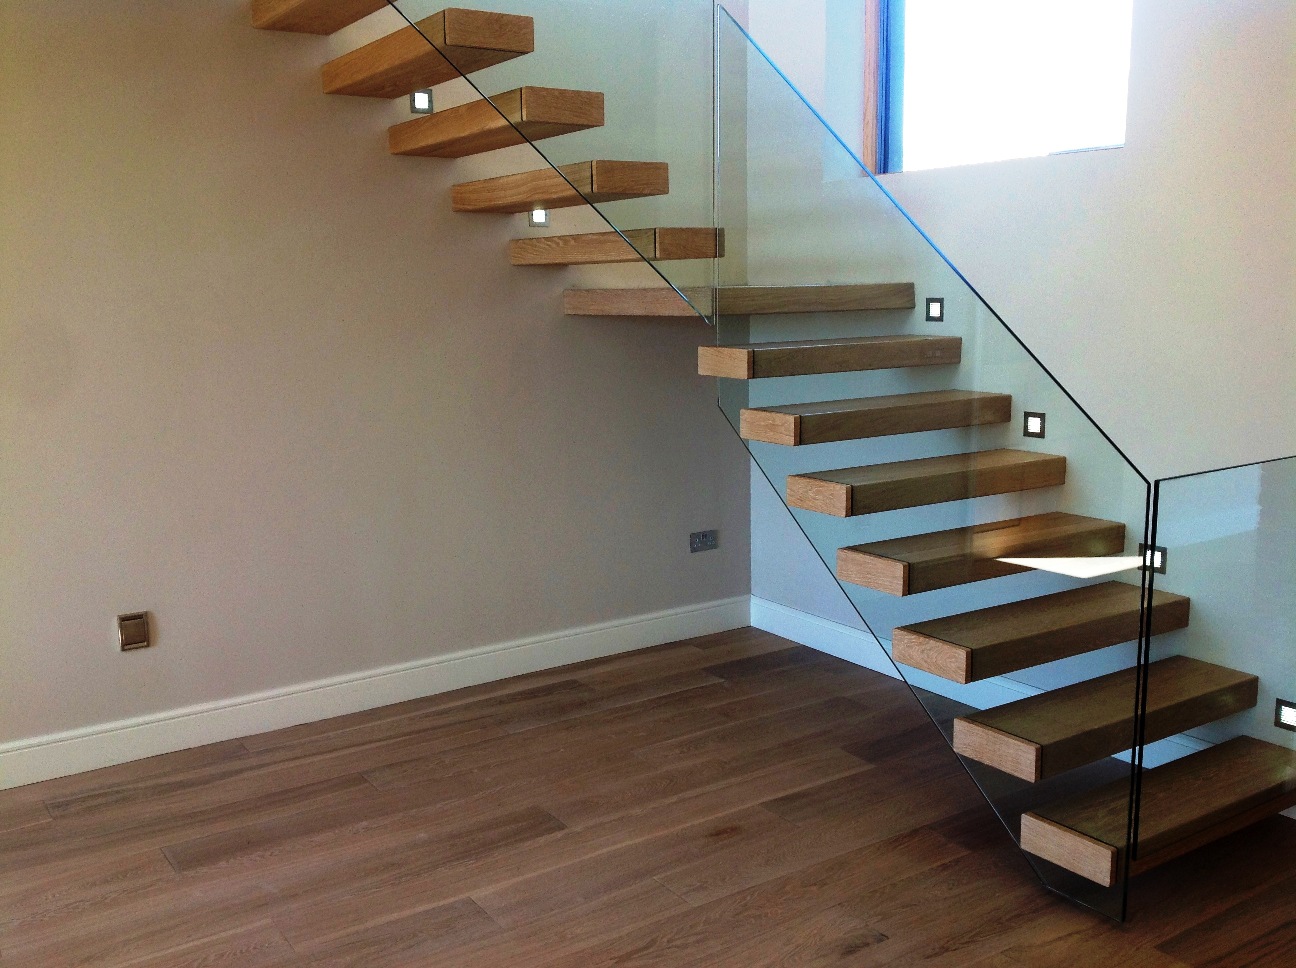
x=76, y=751
x=858, y=646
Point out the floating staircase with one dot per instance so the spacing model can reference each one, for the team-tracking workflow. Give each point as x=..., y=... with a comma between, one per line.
x=738, y=300
x=432, y=52
x=820, y=423
x=507, y=120
x=942, y=559
x=566, y=187
x=1048, y=734
x=1184, y=804
x=929, y=480
x=844, y=355
x=606, y=248
x=994, y=641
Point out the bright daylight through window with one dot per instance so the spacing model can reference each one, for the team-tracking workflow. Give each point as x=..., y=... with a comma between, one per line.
x=986, y=80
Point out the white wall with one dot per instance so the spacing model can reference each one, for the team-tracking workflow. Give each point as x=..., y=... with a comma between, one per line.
x=1155, y=280
x=256, y=378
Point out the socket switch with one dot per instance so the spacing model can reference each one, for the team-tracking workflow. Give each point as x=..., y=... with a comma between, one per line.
x=704, y=541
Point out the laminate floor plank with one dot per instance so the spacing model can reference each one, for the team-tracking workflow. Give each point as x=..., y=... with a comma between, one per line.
x=637, y=788
x=732, y=801
x=837, y=714
x=571, y=885
x=81, y=842
x=698, y=936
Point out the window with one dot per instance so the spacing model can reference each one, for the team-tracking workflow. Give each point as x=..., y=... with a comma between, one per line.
x=965, y=81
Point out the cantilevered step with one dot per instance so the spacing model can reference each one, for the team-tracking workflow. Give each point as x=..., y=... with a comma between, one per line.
x=931, y=480
x=816, y=423
x=603, y=248
x=740, y=300
x=1048, y=734
x=311, y=16
x=1184, y=805
x=908, y=566
x=536, y=112
x=992, y=641
x=801, y=357
x=439, y=49
x=595, y=181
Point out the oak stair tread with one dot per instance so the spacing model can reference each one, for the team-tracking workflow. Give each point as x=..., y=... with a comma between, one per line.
x=941, y=559
x=439, y=48
x=1184, y=805
x=512, y=118
x=929, y=480
x=799, y=424
x=311, y=16
x=605, y=248
x=740, y=300
x=805, y=357
x=1041, y=736
x=1005, y=638
x=594, y=181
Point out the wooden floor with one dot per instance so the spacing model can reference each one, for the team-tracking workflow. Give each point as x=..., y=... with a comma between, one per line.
x=728, y=801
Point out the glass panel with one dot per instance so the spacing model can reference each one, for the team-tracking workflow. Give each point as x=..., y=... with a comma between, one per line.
x=799, y=210
x=1230, y=545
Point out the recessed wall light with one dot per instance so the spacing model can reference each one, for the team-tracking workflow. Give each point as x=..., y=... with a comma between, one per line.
x=1285, y=715
x=1154, y=558
x=1033, y=424
x=935, y=309
x=538, y=218
x=421, y=102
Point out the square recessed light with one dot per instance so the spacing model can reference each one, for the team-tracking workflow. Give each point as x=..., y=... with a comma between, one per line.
x=1033, y=424
x=1285, y=715
x=1154, y=559
x=539, y=218
x=421, y=102
x=935, y=309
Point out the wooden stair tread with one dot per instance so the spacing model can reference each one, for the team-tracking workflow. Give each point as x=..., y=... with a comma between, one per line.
x=1048, y=734
x=311, y=16
x=1004, y=638
x=804, y=357
x=594, y=181
x=908, y=566
x=632, y=245
x=1184, y=805
x=740, y=300
x=516, y=117
x=930, y=480
x=439, y=48
x=815, y=423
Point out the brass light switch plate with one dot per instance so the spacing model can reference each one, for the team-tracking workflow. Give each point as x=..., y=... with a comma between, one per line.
x=133, y=629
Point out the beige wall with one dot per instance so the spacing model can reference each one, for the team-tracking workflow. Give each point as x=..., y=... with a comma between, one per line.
x=256, y=378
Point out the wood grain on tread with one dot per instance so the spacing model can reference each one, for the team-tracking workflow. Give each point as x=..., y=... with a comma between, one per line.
x=1044, y=735
x=632, y=245
x=739, y=300
x=1184, y=805
x=907, y=413
x=593, y=181
x=929, y=480
x=992, y=641
x=311, y=16
x=512, y=118
x=805, y=357
x=439, y=48
x=908, y=566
